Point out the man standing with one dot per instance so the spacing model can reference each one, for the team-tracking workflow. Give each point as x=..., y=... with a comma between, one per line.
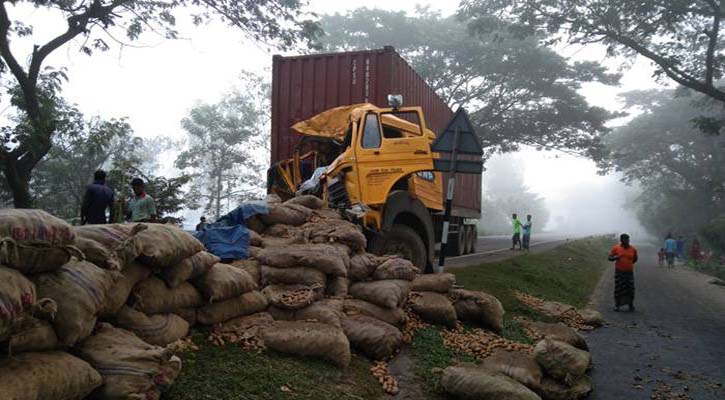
x=527, y=232
x=670, y=250
x=201, y=226
x=624, y=256
x=141, y=208
x=680, y=248
x=96, y=200
x=517, y=232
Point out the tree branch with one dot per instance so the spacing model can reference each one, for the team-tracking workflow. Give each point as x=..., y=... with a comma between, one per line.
x=713, y=35
x=26, y=85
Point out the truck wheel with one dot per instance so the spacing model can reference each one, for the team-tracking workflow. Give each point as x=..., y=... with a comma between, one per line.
x=456, y=243
x=404, y=241
x=474, y=238
x=467, y=239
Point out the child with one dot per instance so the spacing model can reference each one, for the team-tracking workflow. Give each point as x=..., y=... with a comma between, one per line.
x=661, y=257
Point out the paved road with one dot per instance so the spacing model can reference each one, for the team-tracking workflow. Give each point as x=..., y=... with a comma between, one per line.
x=495, y=248
x=675, y=337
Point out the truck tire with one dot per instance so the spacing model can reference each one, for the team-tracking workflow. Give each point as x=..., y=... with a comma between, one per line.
x=467, y=239
x=474, y=238
x=404, y=241
x=456, y=243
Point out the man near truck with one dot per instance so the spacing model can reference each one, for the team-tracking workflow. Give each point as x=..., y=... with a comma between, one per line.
x=516, y=239
x=526, y=239
x=96, y=200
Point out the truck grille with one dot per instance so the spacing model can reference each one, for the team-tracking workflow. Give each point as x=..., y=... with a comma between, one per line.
x=338, y=194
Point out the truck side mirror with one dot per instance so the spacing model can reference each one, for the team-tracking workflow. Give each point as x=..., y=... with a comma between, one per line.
x=395, y=100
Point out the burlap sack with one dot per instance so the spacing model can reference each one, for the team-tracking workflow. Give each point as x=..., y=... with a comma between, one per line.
x=255, y=239
x=17, y=296
x=371, y=336
x=591, y=317
x=434, y=308
x=517, y=365
x=556, y=331
x=247, y=303
x=249, y=324
x=33, y=335
x=467, y=381
x=152, y=296
x=390, y=294
x=252, y=267
x=291, y=276
x=254, y=252
x=393, y=316
x=190, y=268
x=309, y=201
x=396, y=268
x=281, y=231
x=562, y=361
x=337, y=287
x=550, y=389
x=288, y=214
x=328, y=311
x=130, y=367
x=478, y=307
x=79, y=288
x=34, y=241
x=334, y=231
x=166, y=245
x=223, y=282
x=105, y=245
x=439, y=283
x=159, y=329
x=292, y=297
x=46, y=376
x=363, y=265
x=134, y=273
x=98, y=254
x=322, y=257
x=555, y=309
x=308, y=339
x=188, y=314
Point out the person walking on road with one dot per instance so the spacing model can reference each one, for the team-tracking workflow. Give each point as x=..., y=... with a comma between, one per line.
x=96, y=200
x=526, y=234
x=141, y=208
x=516, y=239
x=624, y=256
x=680, y=248
x=661, y=257
x=670, y=250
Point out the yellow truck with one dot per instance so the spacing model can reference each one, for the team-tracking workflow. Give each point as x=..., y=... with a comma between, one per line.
x=376, y=166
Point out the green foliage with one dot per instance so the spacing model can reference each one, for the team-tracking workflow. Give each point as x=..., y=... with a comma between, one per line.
x=505, y=194
x=516, y=91
x=225, y=141
x=680, y=171
x=230, y=373
x=714, y=233
x=683, y=38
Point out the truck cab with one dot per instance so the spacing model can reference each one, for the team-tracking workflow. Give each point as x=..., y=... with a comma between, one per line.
x=382, y=175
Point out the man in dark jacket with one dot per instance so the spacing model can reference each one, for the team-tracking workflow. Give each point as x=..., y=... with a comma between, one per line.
x=97, y=199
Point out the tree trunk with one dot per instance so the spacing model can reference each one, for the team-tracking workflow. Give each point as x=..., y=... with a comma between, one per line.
x=19, y=184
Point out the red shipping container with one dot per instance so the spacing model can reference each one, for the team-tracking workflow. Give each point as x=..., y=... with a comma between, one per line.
x=303, y=86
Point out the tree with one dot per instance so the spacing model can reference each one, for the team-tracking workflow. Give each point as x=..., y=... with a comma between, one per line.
x=223, y=138
x=505, y=193
x=680, y=171
x=683, y=38
x=516, y=91
x=97, y=23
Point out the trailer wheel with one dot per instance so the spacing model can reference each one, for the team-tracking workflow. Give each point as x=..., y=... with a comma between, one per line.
x=474, y=238
x=456, y=243
x=467, y=239
x=404, y=241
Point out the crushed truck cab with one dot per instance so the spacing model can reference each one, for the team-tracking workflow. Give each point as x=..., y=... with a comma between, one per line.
x=382, y=177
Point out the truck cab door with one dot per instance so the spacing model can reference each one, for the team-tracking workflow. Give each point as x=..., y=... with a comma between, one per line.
x=386, y=156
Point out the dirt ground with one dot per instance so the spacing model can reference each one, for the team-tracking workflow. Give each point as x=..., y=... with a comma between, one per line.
x=671, y=347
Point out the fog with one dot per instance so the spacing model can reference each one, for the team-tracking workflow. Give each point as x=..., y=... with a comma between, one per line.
x=156, y=84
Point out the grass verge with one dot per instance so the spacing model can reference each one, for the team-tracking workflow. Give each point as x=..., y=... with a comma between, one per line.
x=231, y=373
x=568, y=273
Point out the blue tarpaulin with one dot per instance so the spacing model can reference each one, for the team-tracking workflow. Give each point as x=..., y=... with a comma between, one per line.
x=228, y=237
